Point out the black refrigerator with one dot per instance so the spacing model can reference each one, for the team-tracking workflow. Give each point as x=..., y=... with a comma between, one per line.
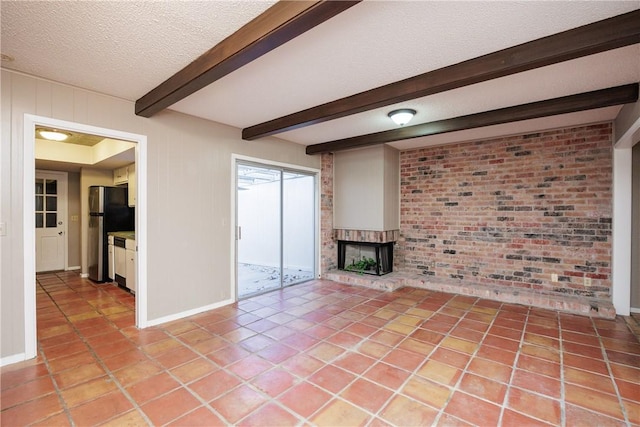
x=108, y=211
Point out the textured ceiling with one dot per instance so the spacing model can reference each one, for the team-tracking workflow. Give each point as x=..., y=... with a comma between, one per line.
x=127, y=48
x=120, y=48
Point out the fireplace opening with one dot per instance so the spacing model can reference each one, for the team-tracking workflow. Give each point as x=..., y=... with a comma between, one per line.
x=365, y=257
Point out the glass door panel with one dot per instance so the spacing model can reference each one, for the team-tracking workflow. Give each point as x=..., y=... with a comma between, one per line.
x=276, y=228
x=258, y=235
x=298, y=232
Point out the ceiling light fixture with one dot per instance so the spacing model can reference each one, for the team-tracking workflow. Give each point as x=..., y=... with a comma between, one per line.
x=53, y=135
x=403, y=116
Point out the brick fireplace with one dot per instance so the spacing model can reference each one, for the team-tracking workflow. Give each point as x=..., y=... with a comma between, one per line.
x=366, y=252
x=521, y=219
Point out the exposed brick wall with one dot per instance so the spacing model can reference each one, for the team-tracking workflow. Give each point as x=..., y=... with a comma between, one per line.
x=512, y=211
x=328, y=248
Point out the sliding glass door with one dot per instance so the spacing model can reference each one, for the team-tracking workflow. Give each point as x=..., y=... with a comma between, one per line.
x=275, y=217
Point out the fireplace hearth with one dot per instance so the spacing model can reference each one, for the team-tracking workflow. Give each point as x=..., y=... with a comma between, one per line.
x=365, y=257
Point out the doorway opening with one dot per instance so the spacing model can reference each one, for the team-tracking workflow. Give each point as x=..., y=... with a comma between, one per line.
x=276, y=225
x=31, y=207
x=635, y=229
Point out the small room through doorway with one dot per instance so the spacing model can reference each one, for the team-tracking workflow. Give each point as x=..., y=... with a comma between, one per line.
x=81, y=162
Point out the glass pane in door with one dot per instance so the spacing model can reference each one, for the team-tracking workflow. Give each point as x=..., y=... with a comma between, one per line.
x=298, y=231
x=40, y=186
x=52, y=186
x=46, y=205
x=258, y=211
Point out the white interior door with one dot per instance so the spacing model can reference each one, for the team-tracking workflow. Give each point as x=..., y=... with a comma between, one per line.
x=50, y=217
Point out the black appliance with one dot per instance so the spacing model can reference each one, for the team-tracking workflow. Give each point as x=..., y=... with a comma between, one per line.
x=108, y=211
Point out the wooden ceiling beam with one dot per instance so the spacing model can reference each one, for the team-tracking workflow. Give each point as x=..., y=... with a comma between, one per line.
x=279, y=24
x=567, y=104
x=612, y=33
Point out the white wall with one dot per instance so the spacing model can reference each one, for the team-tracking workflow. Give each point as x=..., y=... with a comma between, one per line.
x=73, y=224
x=635, y=230
x=189, y=195
x=368, y=197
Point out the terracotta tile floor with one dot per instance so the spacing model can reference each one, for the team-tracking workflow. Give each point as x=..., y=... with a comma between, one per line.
x=321, y=354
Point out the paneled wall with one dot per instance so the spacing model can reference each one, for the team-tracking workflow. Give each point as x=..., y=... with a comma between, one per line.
x=74, y=257
x=515, y=211
x=190, y=249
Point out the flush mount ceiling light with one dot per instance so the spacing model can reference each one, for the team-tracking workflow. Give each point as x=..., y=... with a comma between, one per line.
x=403, y=116
x=53, y=135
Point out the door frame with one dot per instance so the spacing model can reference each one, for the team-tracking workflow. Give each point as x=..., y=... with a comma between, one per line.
x=28, y=179
x=66, y=214
x=235, y=158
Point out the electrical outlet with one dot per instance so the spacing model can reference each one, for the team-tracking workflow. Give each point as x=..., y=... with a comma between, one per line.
x=587, y=281
x=554, y=277
x=74, y=218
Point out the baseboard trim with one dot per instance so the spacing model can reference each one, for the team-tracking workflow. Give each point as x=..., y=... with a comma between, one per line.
x=634, y=310
x=8, y=360
x=84, y=275
x=75, y=267
x=187, y=313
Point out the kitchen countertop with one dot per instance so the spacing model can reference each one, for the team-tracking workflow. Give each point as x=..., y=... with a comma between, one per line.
x=131, y=235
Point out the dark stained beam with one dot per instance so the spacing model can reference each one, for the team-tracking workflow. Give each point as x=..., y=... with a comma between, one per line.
x=279, y=24
x=567, y=104
x=612, y=33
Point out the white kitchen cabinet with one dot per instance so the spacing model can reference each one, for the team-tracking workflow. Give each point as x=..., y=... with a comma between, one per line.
x=131, y=264
x=131, y=173
x=111, y=256
x=120, y=176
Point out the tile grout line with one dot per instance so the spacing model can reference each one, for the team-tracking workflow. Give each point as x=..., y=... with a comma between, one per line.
x=108, y=371
x=336, y=396
x=563, y=403
x=247, y=382
x=358, y=376
x=514, y=366
x=610, y=371
x=66, y=410
x=225, y=369
x=330, y=363
x=206, y=404
x=456, y=387
x=397, y=392
x=340, y=322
